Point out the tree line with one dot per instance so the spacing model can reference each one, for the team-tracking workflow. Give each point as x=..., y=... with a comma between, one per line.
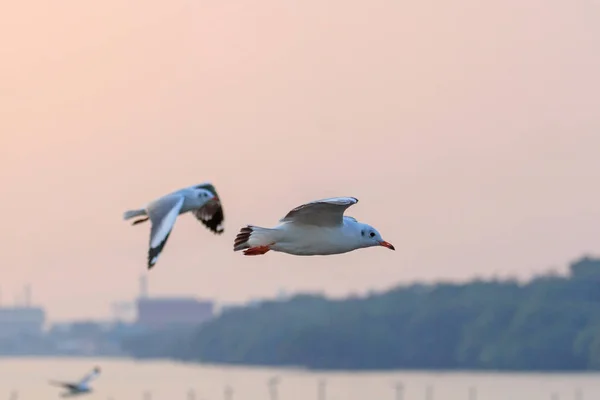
x=550, y=323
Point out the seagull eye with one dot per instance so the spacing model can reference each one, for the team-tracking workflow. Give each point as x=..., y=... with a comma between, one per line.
x=372, y=234
x=362, y=233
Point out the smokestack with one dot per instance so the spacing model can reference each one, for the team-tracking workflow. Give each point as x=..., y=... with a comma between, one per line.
x=143, y=287
x=27, y=295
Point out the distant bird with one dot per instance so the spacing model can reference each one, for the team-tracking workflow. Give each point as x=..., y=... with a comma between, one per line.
x=201, y=199
x=82, y=387
x=315, y=228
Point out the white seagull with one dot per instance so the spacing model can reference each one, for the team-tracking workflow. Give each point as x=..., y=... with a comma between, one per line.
x=81, y=387
x=316, y=228
x=202, y=199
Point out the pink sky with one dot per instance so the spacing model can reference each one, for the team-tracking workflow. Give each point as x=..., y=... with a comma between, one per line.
x=469, y=132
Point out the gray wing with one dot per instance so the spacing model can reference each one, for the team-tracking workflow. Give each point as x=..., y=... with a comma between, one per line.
x=326, y=212
x=163, y=213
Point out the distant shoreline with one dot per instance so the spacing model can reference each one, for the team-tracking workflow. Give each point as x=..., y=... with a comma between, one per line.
x=149, y=360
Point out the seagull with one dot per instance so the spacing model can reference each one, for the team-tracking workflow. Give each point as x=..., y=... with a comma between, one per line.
x=201, y=199
x=81, y=387
x=316, y=228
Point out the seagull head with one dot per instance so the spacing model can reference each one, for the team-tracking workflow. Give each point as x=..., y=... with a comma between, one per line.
x=369, y=237
x=203, y=196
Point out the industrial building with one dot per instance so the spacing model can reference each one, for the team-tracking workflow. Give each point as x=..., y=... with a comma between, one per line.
x=22, y=319
x=158, y=313
x=167, y=312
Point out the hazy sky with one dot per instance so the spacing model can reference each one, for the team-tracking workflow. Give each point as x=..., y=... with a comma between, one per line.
x=468, y=130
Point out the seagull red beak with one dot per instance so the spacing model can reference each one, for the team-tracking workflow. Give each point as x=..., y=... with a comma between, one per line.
x=386, y=244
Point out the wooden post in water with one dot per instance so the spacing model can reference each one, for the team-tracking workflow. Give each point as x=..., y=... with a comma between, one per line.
x=228, y=393
x=147, y=395
x=322, y=393
x=14, y=395
x=273, y=382
x=191, y=395
x=578, y=394
x=554, y=396
x=429, y=392
x=399, y=391
x=472, y=393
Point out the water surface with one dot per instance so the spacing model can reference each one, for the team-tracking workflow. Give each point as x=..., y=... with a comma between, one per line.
x=128, y=379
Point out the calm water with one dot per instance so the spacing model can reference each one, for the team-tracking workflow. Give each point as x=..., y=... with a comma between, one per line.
x=126, y=379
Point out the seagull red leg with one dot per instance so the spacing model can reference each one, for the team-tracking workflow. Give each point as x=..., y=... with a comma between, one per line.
x=256, y=251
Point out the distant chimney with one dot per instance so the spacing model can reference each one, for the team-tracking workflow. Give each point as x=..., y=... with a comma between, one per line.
x=27, y=295
x=143, y=287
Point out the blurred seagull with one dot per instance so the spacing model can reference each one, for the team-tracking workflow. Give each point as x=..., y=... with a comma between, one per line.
x=201, y=199
x=81, y=387
x=315, y=228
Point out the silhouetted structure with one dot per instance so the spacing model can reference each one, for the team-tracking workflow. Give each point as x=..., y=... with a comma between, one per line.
x=157, y=313
x=17, y=321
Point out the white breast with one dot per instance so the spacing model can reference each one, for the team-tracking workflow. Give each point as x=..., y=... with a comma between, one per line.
x=306, y=240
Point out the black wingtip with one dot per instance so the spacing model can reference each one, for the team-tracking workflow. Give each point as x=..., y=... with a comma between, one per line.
x=154, y=252
x=213, y=217
x=139, y=221
x=241, y=240
x=150, y=263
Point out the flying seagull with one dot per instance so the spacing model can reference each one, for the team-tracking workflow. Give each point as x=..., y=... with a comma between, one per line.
x=201, y=199
x=316, y=228
x=81, y=387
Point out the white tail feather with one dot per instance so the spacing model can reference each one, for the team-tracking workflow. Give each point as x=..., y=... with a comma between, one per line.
x=134, y=213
